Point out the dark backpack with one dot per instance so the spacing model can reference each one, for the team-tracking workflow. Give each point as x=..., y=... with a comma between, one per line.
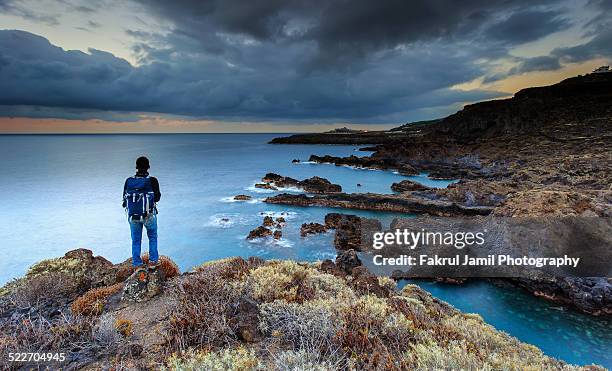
x=139, y=197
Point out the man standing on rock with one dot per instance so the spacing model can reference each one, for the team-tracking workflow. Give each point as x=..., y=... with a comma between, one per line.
x=140, y=195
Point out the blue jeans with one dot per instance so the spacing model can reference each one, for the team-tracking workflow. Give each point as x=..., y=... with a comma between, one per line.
x=150, y=223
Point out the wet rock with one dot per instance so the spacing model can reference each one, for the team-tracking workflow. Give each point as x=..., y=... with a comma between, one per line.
x=367, y=162
x=591, y=295
x=277, y=234
x=408, y=186
x=259, y=232
x=242, y=197
x=295, y=161
x=319, y=185
x=347, y=260
x=312, y=185
x=265, y=186
x=311, y=228
x=280, y=219
x=404, y=203
x=332, y=220
x=268, y=221
x=353, y=232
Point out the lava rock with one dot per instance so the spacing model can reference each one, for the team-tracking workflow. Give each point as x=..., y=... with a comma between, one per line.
x=408, y=186
x=347, y=260
x=259, y=232
x=242, y=197
x=312, y=228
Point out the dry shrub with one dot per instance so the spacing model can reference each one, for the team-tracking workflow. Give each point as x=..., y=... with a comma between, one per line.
x=301, y=360
x=40, y=334
x=309, y=329
x=45, y=288
x=295, y=282
x=124, y=326
x=105, y=332
x=233, y=268
x=168, y=268
x=93, y=301
x=69, y=266
x=201, y=312
x=239, y=359
x=373, y=334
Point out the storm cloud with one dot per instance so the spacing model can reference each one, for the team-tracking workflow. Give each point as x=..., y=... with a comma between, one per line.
x=356, y=61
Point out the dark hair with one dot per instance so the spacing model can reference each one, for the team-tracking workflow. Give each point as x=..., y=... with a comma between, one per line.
x=142, y=163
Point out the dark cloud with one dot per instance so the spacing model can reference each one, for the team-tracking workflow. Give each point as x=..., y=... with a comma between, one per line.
x=344, y=31
x=36, y=73
x=598, y=32
x=527, y=25
x=357, y=60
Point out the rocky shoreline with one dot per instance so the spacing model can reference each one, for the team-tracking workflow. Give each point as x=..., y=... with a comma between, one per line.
x=544, y=152
x=246, y=314
x=378, y=202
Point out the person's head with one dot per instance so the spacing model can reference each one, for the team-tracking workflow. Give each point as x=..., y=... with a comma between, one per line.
x=142, y=163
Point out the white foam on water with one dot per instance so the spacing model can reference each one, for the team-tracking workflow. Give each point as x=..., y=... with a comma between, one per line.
x=231, y=199
x=322, y=255
x=225, y=220
x=283, y=242
x=269, y=241
x=254, y=189
x=290, y=189
x=275, y=214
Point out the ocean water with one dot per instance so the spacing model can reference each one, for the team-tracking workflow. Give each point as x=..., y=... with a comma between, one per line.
x=60, y=192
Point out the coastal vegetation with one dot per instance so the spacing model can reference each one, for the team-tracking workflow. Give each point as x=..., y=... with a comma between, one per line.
x=249, y=314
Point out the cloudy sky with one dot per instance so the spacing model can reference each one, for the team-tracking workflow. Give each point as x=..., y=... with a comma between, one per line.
x=280, y=65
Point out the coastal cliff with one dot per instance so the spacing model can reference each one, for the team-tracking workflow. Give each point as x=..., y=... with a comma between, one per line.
x=543, y=152
x=246, y=314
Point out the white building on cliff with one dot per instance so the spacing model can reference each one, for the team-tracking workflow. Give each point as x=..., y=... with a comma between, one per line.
x=602, y=69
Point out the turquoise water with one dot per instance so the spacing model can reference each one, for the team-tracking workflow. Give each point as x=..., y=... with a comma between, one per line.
x=562, y=333
x=62, y=192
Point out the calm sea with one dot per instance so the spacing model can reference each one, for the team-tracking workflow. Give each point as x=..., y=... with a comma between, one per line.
x=59, y=192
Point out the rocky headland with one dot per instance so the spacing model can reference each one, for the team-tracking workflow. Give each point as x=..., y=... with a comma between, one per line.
x=546, y=151
x=244, y=314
